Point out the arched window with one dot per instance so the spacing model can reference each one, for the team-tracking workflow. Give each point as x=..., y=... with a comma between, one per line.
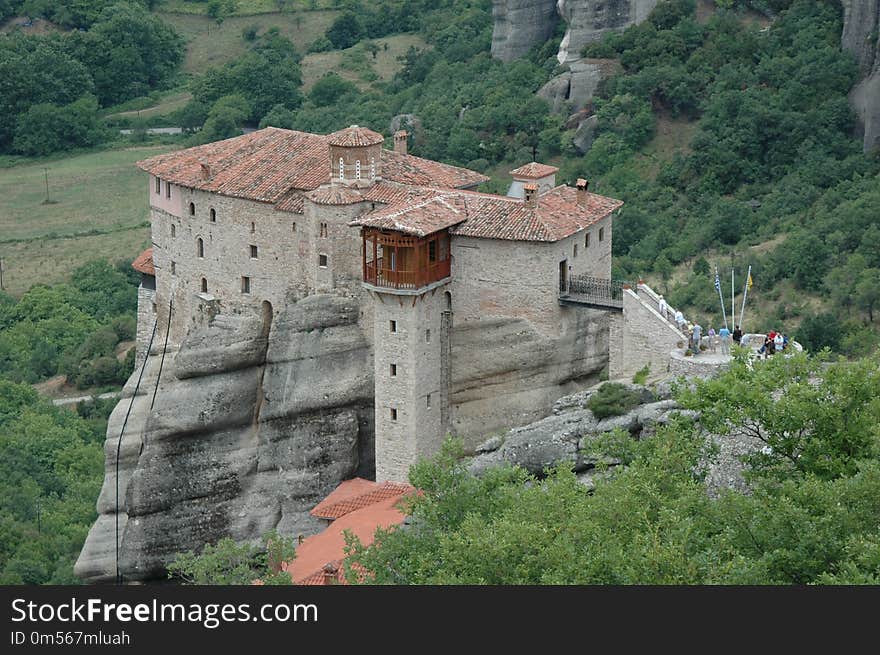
x=357, y=169
x=200, y=247
x=213, y=215
x=204, y=285
x=173, y=230
x=192, y=209
x=341, y=169
x=372, y=168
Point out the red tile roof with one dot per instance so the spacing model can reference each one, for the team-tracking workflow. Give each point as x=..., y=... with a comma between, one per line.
x=355, y=136
x=319, y=557
x=267, y=164
x=533, y=171
x=333, y=194
x=144, y=263
x=558, y=214
x=356, y=494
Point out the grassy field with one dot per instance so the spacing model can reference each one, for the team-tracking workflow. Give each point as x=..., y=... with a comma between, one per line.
x=167, y=105
x=247, y=7
x=209, y=44
x=357, y=65
x=99, y=210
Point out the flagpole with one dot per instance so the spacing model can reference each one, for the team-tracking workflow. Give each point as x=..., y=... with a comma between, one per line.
x=720, y=296
x=732, y=301
x=742, y=310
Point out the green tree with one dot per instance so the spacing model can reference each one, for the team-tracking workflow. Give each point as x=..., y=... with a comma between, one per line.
x=231, y=563
x=345, y=31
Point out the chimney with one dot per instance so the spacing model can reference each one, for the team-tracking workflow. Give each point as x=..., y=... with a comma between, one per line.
x=582, y=186
x=530, y=195
x=329, y=571
x=400, y=141
x=206, y=170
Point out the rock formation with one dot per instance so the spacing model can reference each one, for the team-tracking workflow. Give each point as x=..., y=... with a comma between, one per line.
x=861, y=36
x=588, y=20
x=254, y=422
x=569, y=436
x=520, y=24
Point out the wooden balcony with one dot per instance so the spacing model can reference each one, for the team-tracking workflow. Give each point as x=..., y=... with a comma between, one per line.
x=396, y=261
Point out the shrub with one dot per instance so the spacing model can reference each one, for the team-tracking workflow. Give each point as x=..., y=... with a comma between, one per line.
x=612, y=399
x=642, y=375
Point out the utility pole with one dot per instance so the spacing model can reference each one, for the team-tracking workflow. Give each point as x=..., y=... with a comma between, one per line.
x=1, y=274
x=46, y=172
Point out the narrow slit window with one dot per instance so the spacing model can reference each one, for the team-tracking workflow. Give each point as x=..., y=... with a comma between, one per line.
x=173, y=230
x=253, y=252
x=323, y=230
x=428, y=401
x=428, y=336
x=392, y=326
x=587, y=240
x=158, y=186
x=168, y=190
x=293, y=229
x=245, y=284
x=393, y=370
x=393, y=413
x=601, y=233
x=204, y=285
x=253, y=227
x=213, y=215
x=192, y=209
x=575, y=253
x=200, y=248
x=173, y=268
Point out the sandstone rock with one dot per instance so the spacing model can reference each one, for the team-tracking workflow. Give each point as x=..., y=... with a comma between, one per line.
x=586, y=132
x=409, y=122
x=490, y=445
x=520, y=24
x=556, y=92
x=861, y=36
x=588, y=20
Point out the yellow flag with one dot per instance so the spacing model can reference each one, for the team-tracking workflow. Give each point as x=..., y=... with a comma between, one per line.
x=750, y=280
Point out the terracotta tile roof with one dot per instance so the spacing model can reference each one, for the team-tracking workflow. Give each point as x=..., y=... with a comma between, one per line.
x=467, y=213
x=328, y=547
x=533, y=171
x=355, y=136
x=332, y=194
x=269, y=165
x=144, y=263
x=357, y=495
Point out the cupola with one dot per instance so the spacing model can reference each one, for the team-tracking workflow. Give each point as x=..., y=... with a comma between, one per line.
x=355, y=155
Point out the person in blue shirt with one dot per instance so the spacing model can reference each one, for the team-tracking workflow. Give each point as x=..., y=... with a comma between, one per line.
x=724, y=335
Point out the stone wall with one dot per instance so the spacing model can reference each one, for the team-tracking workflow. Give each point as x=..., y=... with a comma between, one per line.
x=146, y=317
x=648, y=338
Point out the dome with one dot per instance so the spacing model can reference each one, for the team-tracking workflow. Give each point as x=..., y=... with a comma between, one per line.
x=355, y=136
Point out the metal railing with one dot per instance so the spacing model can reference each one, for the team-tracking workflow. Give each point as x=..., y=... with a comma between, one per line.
x=597, y=290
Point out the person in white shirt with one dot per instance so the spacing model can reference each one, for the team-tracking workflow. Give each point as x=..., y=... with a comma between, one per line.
x=679, y=320
x=661, y=306
x=779, y=342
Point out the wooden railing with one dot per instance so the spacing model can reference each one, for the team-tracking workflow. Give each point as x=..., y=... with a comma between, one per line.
x=376, y=274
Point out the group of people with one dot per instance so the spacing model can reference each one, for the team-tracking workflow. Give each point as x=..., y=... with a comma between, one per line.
x=774, y=342
x=694, y=332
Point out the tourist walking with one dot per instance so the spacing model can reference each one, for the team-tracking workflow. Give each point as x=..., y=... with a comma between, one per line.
x=711, y=334
x=724, y=335
x=661, y=306
x=698, y=330
x=679, y=320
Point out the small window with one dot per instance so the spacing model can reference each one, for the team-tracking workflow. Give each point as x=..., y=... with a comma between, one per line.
x=200, y=248
x=253, y=252
x=168, y=190
x=322, y=261
x=392, y=326
x=293, y=229
x=173, y=268
x=158, y=186
x=173, y=230
x=428, y=401
x=432, y=251
x=394, y=370
x=213, y=215
x=323, y=230
x=372, y=168
x=357, y=169
x=587, y=240
x=341, y=169
x=601, y=233
x=192, y=209
x=245, y=284
x=428, y=336
x=393, y=414
x=253, y=227
x=204, y=285
x=575, y=253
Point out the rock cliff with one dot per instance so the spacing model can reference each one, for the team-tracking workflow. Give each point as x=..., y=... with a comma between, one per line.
x=520, y=24
x=254, y=422
x=588, y=20
x=861, y=36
